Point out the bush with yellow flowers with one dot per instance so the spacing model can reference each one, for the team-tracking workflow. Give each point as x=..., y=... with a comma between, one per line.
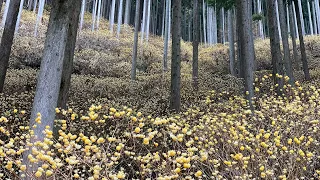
x=221, y=140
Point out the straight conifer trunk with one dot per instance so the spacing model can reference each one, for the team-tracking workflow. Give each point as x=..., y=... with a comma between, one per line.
x=50, y=75
x=195, y=43
x=231, y=43
x=293, y=36
x=7, y=40
x=285, y=42
x=135, y=44
x=302, y=46
x=176, y=57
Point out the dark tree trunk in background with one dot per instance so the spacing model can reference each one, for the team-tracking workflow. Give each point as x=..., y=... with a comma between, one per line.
x=231, y=43
x=176, y=57
x=68, y=58
x=293, y=36
x=285, y=42
x=49, y=78
x=135, y=45
x=195, y=43
x=7, y=40
x=1, y=2
x=247, y=56
x=240, y=63
x=302, y=46
x=277, y=64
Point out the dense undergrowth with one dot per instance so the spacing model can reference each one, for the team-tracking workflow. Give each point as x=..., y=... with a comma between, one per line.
x=128, y=133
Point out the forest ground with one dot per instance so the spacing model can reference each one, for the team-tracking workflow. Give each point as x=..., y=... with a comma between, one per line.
x=215, y=136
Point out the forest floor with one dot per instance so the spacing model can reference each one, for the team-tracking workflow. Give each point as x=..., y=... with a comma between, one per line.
x=215, y=137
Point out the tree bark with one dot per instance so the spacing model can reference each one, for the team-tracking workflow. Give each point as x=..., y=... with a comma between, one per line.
x=298, y=2
x=148, y=20
x=119, y=18
x=69, y=56
x=277, y=64
x=39, y=16
x=247, y=46
x=204, y=22
x=19, y=16
x=310, y=19
x=302, y=46
x=127, y=12
x=293, y=36
x=5, y=13
x=83, y=7
x=136, y=36
x=7, y=40
x=113, y=8
x=166, y=40
x=231, y=43
x=195, y=44
x=285, y=42
x=314, y=18
x=176, y=58
x=1, y=2
x=49, y=79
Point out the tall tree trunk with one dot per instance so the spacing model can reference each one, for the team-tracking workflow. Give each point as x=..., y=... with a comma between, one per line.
x=222, y=26
x=5, y=13
x=261, y=32
x=302, y=46
x=35, y=6
x=204, y=22
x=148, y=20
x=119, y=18
x=314, y=18
x=195, y=43
x=231, y=43
x=50, y=75
x=135, y=45
x=176, y=57
x=83, y=7
x=68, y=57
x=39, y=16
x=7, y=40
x=285, y=42
x=99, y=7
x=278, y=18
x=163, y=17
x=112, y=14
x=295, y=18
x=298, y=2
x=166, y=40
x=293, y=35
x=30, y=3
x=215, y=27
x=19, y=16
x=247, y=46
x=145, y=4
x=310, y=19
x=317, y=8
x=277, y=64
x=127, y=12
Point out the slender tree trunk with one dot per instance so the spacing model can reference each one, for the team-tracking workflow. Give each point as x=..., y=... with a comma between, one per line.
x=7, y=40
x=145, y=4
x=99, y=7
x=30, y=3
x=127, y=12
x=148, y=20
x=195, y=44
x=247, y=46
x=314, y=18
x=278, y=18
x=298, y=2
x=261, y=32
x=302, y=46
x=113, y=9
x=204, y=22
x=310, y=19
x=222, y=26
x=35, y=6
x=166, y=40
x=231, y=43
x=277, y=64
x=215, y=28
x=136, y=36
x=293, y=36
x=83, y=7
x=39, y=16
x=285, y=42
x=176, y=58
x=317, y=8
x=19, y=16
x=5, y=13
x=163, y=17
x=295, y=19
x=119, y=18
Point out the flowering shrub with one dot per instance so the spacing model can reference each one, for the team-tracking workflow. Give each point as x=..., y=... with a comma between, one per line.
x=222, y=140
